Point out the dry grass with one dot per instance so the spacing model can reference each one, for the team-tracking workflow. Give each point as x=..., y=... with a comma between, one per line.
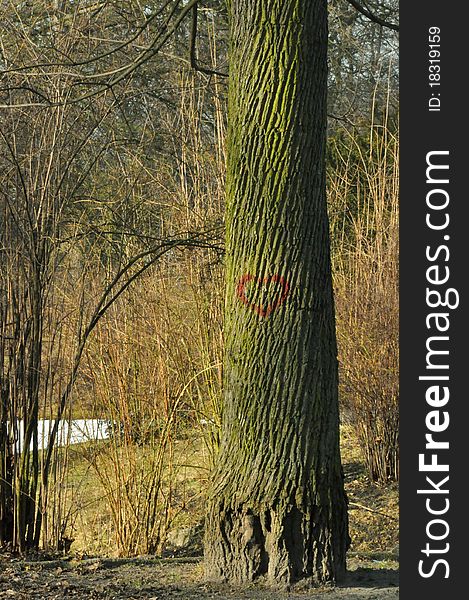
x=99, y=498
x=363, y=187
x=374, y=509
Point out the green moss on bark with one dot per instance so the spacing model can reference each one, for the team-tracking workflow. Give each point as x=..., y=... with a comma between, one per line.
x=277, y=507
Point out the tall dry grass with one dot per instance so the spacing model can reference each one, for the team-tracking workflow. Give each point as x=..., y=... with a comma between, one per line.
x=153, y=365
x=363, y=190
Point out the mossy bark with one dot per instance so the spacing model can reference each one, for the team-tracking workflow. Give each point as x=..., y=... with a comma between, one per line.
x=277, y=505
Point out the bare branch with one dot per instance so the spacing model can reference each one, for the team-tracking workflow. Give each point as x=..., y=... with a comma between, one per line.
x=92, y=59
x=120, y=73
x=108, y=297
x=372, y=17
x=193, y=49
x=372, y=510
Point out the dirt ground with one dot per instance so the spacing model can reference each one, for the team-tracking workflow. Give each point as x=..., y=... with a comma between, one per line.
x=171, y=579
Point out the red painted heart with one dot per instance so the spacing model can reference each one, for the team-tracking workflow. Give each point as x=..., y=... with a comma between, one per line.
x=276, y=285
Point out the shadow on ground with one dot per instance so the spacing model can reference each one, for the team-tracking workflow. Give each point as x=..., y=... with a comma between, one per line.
x=371, y=578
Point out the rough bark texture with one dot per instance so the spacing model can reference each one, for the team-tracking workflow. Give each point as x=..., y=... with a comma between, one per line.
x=277, y=506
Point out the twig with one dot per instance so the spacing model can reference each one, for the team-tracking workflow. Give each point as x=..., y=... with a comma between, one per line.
x=372, y=510
x=192, y=49
x=372, y=17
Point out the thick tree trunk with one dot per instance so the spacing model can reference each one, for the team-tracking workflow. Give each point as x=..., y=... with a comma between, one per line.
x=277, y=506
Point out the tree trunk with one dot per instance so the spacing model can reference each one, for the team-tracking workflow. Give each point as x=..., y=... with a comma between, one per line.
x=277, y=506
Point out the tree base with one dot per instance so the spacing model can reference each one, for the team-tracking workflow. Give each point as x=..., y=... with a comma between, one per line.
x=282, y=545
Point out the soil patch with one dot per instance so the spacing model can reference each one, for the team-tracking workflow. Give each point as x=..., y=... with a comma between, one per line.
x=171, y=579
